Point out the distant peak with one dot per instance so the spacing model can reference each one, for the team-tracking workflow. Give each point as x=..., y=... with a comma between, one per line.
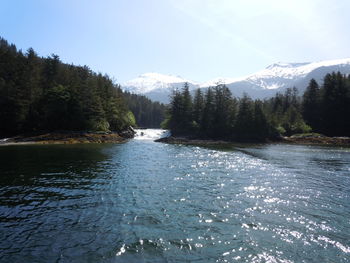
x=154, y=74
x=166, y=78
x=277, y=75
x=287, y=65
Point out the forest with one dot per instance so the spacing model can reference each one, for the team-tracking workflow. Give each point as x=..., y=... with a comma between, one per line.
x=148, y=113
x=216, y=114
x=44, y=94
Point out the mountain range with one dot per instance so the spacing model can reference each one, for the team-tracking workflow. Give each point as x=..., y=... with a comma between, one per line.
x=265, y=83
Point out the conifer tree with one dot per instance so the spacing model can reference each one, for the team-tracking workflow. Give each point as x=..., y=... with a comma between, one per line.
x=244, y=128
x=208, y=121
x=198, y=104
x=186, y=108
x=311, y=109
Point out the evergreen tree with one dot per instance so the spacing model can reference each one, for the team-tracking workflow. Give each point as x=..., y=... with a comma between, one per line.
x=198, y=105
x=262, y=128
x=335, y=100
x=44, y=94
x=175, y=111
x=244, y=128
x=223, y=110
x=311, y=108
x=208, y=119
x=186, y=108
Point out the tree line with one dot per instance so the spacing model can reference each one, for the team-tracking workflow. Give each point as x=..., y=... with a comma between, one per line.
x=327, y=108
x=43, y=94
x=147, y=113
x=217, y=114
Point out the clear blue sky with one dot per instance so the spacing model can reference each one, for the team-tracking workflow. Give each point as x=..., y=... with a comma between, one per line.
x=196, y=39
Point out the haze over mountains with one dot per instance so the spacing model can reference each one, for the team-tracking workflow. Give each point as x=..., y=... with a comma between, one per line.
x=264, y=83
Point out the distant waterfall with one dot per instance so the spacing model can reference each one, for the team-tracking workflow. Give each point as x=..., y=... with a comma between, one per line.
x=150, y=134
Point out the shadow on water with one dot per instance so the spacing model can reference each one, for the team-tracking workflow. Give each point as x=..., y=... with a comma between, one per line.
x=52, y=198
x=19, y=164
x=39, y=173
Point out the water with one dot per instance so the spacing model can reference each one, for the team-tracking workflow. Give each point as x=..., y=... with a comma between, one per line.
x=143, y=201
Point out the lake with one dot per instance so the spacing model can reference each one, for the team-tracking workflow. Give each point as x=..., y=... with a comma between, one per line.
x=142, y=201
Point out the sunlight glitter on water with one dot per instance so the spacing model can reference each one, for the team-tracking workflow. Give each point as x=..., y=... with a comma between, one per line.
x=148, y=202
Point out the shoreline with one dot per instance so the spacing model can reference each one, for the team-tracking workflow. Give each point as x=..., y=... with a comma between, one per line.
x=66, y=138
x=307, y=140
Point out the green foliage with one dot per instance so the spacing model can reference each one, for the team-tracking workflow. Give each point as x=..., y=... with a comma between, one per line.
x=147, y=113
x=335, y=105
x=165, y=123
x=44, y=94
x=98, y=125
x=280, y=130
x=130, y=119
x=311, y=105
x=244, y=127
x=198, y=105
x=181, y=111
x=217, y=115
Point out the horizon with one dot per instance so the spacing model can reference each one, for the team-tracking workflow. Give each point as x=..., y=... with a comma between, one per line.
x=197, y=40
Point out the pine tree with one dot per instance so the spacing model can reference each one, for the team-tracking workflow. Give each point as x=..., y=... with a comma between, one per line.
x=44, y=94
x=335, y=100
x=311, y=109
x=208, y=121
x=244, y=128
x=198, y=105
x=223, y=110
x=262, y=129
x=186, y=108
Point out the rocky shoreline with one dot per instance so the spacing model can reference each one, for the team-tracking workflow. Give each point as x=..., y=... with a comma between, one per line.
x=70, y=137
x=318, y=140
x=191, y=141
x=303, y=140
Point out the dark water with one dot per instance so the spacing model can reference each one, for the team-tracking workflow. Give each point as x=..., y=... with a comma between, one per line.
x=149, y=202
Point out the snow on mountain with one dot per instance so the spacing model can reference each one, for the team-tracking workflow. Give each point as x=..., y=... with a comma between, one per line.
x=216, y=81
x=152, y=81
x=264, y=83
x=280, y=75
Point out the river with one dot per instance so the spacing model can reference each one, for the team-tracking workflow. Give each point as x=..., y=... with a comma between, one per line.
x=142, y=201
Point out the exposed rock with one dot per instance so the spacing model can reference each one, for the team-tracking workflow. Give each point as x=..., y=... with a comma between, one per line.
x=128, y=133
x=318, y=140
x=65, y=137
x=307, y=140
x=191, y=141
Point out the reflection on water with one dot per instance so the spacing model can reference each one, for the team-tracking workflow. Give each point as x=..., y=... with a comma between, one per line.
x=149, y=202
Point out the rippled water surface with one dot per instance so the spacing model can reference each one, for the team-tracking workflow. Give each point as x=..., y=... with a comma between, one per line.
x=143, y=201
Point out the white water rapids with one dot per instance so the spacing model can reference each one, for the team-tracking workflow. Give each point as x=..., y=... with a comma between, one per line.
x=150, y=134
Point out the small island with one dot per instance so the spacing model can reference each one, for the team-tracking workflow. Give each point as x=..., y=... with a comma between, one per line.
x=319, y=116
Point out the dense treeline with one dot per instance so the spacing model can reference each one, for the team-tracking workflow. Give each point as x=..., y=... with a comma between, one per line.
x=43, y=94
x=327, y=108
x=147, y=113
x=217, y=114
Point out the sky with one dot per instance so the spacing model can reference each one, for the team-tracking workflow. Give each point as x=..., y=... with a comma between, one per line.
x=195, y=39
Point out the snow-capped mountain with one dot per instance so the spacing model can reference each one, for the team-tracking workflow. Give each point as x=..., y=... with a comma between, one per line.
x=151, y=81
x=264, y=83
x=156, y=86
